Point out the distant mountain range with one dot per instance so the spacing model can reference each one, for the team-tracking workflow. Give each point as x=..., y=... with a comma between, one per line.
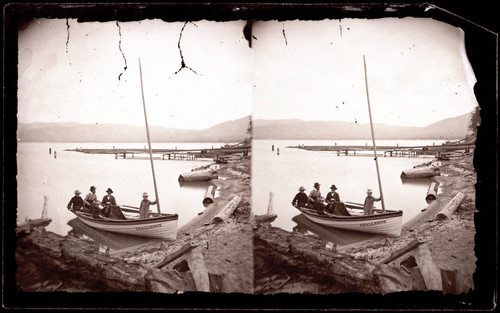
x=231, y=131
x=451, y=128
x=236, y=131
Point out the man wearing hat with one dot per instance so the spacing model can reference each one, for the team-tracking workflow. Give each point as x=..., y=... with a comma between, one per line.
x=144, y=206
x=76, y=203
x=331, y=198
x=301, y=198
x=92, y=203
x=369, y=200
x=314, y=198
x=109, y=198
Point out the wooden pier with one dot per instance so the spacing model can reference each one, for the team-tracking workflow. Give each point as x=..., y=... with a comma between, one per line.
x=439, y=151
x=172, y=154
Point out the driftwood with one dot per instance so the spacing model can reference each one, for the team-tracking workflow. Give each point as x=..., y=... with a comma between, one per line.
x=174, y=256
x=228, y=210
x=448, y=210
x=209, y=194
x=432, y=192
x=198, y=270
x=198, y=175
x=420, y=172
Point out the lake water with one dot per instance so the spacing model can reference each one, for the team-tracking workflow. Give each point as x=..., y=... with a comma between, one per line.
x=283, y=174
x=39, y=174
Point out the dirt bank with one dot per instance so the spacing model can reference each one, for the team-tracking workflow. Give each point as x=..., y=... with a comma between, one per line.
x=450, y=241
x=48, y=262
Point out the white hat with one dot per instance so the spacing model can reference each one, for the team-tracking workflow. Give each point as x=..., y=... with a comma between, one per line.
x=369, y=190
x=144, y=194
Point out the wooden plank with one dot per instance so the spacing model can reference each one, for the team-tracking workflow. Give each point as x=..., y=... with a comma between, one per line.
x=451, y=283
x=430, y=272
x=198, y=270
x=174, y=256
x=448, y=210
x=217, y=282
x=400, y=252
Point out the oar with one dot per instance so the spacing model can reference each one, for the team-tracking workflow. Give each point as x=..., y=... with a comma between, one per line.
x=373, y=138
x=149, y=141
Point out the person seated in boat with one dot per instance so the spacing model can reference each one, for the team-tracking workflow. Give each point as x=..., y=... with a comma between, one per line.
x=369, y=200
x=331, y=198
x=300, y=200
x=314, y=196
x=109, y=197
x=76, y=203
x=106, y=211
x=91, y=202
x=144, y=206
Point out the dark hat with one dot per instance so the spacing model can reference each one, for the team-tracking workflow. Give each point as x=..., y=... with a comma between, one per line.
x=92, y=188
x=316, y=184
x=333, y=187
x=109, y=190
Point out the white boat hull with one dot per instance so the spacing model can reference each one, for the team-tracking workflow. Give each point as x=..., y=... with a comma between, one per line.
x=163, y=227
x=388, y=223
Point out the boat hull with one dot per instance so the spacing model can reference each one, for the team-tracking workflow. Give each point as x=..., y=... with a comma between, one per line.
x=388, y=223
x=163, y=227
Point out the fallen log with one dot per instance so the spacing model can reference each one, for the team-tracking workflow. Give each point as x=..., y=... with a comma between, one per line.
x=228, y=210
x=448, y=210
x=420, y=172
x=209, y=194
x=198, y=269
x=198, y=175
x=432, y=192
x=174, y=256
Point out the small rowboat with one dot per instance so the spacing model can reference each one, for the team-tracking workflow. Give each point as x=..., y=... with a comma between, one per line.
x=386, y=223
x=163, y=226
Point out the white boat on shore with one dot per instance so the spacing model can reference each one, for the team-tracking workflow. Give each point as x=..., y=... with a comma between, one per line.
x=385, y=223
x=163, y=226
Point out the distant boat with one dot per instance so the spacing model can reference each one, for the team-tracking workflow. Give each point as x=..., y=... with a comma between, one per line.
x=351, y=218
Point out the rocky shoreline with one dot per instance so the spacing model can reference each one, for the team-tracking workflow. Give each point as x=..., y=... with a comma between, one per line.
x=50, y=262
x=297, y=263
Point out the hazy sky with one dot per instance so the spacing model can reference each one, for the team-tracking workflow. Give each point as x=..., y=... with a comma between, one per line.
x=418, y=72
x=81, y=78
x=313, y=70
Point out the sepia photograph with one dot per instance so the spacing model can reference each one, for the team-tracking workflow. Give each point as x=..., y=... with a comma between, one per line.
x=365, y=148
x=116, y=118
x=267, y=156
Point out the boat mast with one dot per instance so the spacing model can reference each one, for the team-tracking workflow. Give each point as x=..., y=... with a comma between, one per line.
x=149, y=141
x=373, y=138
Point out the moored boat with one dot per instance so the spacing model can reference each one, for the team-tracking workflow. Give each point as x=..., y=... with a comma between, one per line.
x=386, y=222
x=163, y=226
